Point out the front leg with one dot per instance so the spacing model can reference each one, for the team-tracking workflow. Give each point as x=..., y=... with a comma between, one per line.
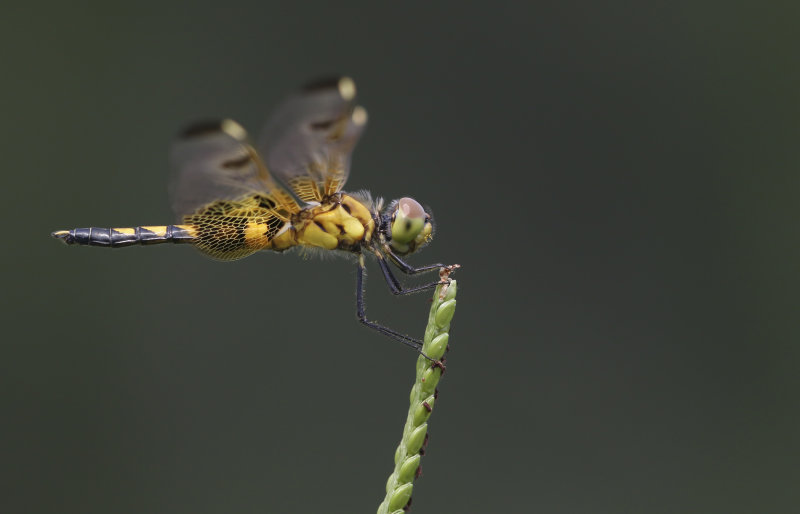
x=395, y=285
x=407, y=268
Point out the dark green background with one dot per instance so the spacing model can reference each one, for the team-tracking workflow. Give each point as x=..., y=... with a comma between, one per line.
x=618, y=180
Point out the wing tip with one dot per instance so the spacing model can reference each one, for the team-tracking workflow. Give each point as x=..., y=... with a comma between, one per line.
x=201, y=128
x=345, y=86
x=359, y=116
x=209, y=127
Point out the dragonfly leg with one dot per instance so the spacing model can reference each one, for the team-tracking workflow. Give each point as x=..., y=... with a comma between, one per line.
x=416, y=344
x=407, y=268
x=395, y=285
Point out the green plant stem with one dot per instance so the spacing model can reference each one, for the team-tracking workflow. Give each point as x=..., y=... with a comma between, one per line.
x=409, y=452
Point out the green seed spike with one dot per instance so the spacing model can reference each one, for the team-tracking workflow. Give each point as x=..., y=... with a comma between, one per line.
x=416, y=438
x=437, y=347
x=430, y=377
x=400, y=496
x=445, y=313
x=423, y=411
x=407, y=458
x=408, y=469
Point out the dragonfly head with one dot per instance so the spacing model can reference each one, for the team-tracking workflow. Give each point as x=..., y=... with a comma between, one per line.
x=408, y=226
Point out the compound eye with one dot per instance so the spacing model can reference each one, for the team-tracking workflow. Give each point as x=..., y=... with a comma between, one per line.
x=411, y=208
x=408, y=220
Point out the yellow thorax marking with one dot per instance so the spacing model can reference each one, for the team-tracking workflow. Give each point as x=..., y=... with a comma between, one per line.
x=313, y=235
x=360, y=211
x=285, y=238
x=332, y=226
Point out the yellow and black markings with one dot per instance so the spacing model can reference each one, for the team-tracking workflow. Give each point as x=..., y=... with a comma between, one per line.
x=119, y=237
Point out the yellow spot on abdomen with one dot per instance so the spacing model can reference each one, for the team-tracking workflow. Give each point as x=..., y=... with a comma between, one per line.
x=160, y=230
x=127, y=231
x=255, y=236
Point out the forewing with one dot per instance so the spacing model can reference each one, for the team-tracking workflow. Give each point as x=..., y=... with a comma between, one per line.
x=213, y=161
x=308, y=141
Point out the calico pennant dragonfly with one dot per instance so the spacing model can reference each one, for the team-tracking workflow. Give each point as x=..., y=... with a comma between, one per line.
x=234, y=198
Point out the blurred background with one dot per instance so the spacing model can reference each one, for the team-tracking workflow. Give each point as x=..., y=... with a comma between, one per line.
x=617, y=179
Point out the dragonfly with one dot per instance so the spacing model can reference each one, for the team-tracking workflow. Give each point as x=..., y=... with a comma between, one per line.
x=234, y=197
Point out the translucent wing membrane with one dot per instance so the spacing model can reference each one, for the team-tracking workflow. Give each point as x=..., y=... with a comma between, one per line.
x=229, y=230
x=307, y=143
x=213, y=161
x=221, y=188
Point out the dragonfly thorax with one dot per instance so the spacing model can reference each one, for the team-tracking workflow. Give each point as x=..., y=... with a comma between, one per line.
x=340, y=222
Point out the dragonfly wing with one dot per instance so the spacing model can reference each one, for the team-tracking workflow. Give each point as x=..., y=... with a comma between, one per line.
x=213, y=161
x=232, y=229
x=308, y=141
x=222, y=189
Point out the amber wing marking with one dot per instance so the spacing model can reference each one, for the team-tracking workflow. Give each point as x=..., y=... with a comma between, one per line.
x=306, y=189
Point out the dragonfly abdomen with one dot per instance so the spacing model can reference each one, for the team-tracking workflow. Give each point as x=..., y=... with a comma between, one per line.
x=119, y=237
